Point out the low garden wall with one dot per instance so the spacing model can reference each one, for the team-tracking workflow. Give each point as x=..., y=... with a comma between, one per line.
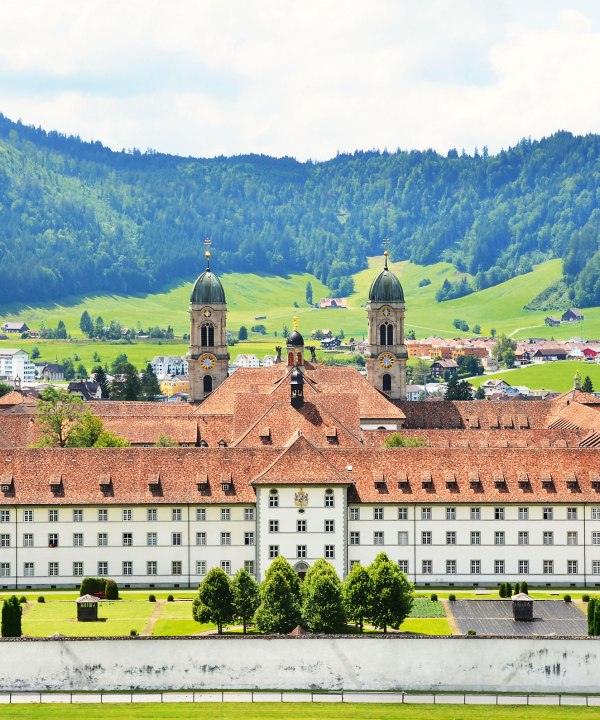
x=302, y=663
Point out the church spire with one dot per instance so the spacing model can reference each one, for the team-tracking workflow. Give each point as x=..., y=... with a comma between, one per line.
x=207, y=244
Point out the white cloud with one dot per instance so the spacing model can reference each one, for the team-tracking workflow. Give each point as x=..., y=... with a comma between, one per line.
x=301, y=78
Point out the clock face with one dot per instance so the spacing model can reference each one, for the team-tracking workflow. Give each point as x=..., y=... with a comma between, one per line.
x=207, y=312
x=207, y=362
x=387, y=311
x=386, y=360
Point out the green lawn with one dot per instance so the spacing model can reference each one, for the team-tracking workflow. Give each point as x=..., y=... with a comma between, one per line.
x=426, y=626
x=550, y=376
x=281, y=711
x=425, y=608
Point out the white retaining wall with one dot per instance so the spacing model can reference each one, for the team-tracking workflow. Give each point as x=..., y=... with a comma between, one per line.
x=349, y=663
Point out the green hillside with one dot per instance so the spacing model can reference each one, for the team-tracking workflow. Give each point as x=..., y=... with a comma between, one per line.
x=556, y=376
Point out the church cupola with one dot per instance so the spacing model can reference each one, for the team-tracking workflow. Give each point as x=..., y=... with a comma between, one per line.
x=295, y=347
x=297, y=388
x=208, y=357
x=386, y=352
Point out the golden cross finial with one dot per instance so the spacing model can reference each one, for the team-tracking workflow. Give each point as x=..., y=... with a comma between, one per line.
x=207, y=244
x=296, y=324
x=385, y=243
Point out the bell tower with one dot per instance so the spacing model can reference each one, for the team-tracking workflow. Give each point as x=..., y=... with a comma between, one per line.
x=208, y=357
x=386, y=352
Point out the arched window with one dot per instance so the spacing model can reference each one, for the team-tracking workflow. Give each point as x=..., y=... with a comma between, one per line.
x=387, y=383
x=386, y=334
x=207, y=335
x=290, y=359
x=208, y=384
x=299, y=358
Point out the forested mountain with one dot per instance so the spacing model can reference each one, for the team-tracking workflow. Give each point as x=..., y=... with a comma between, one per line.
x=76, y=217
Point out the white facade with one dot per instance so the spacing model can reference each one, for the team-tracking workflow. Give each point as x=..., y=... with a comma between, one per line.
x=247, y=361
x=14, y=364
x=169, y=365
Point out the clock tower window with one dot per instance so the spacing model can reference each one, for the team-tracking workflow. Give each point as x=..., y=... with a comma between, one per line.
x=387, y=383
x=386, y=334
x=207, y=335
x=207, y=384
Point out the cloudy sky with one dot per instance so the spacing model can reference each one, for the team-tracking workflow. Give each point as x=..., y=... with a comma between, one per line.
x=306, y=78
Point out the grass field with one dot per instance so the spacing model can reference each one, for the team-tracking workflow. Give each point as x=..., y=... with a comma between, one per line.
x=550, y=376
x=282, y=711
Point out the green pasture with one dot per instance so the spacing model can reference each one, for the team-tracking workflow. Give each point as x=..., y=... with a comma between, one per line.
x=282, y=711
x=550, y=376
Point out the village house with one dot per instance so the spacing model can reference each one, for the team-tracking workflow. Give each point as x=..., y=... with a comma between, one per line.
x=439, y=368
x=326, y=303
x=15, y=328
x=572, y=315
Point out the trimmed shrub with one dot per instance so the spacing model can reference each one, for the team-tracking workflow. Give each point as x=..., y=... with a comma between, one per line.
x=11, y=617
x=593, y=617
x=133, y=633
x=508, y=590
x=90, y=585
x=502, y=590
x=41, y=599
x=585, y=598
x=111, y=590
x=471, y=632
x=22, y=599
x=517, y=589
x=452, y=597
x=433, y=597
x=567, y=598
x=525, y=587
x=151, y=598
x=170, y=598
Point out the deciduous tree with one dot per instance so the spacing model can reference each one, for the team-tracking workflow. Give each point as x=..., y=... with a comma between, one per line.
x=215, y=600
x=392, y=594
x=246, y=597
x=357, y=593
x=322, y=604
x=280, y=599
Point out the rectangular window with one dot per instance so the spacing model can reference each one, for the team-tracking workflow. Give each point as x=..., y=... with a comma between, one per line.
x=176, y=567
x=225, y=514
x=329, y=552
x=596, y=538
x=499, y=567
x=249, y=566
x=151, y=514
x=4, y=540
x=273, y=499
x=127, y=514
x=427, y=567
x=402, y=566
x=475, y=567
x=200, y=538
x=151, y=539
x=53, y=569
x=354, y=538
x=523, y=537
x=571, y=513
x=102, y=568
x=273, y=551
x=476, y=538
x=249, y=538
x=475, y=513
x=596, y=513
x=225, y=538
x=27, y=516
x=102, y=539
x=329, y=526
x=402, y=513
x=77, y=517
x=378, y=537
x=426, y=513
x=28, y=569
x=53, y=515
x=378, y=513
x=523, y=567
x=102, y=515
x=200, y=567
x=450, y=537
x=53, y=540
x=300, y=551
x=450, y=513
x=77, y=539
x=571, y=567
x=523, y=513
x=225, y=567
x=249, y=515
x=595, y=567
x=354, y=513
x=200, y=515
x=547, y=513
x=176, y=514
x=571, y=538
x=151, y=567
x=128, y=539
x=329, y=499
x=403, y=537
x=450, y=567
x=5, y=569
x=273, y=525
x=548, y=537
x=127, y=567
x=426, y=538
x=499, y=538
x=548, y=567
x=499, y=513
x=176, y=538
x=301, y=526
x=28, y=540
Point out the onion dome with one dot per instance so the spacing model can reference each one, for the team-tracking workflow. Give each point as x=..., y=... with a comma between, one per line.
x=294, y=339
x=386, y=286
x=207, y=288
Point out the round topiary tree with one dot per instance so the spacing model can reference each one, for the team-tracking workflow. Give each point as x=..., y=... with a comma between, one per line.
x=111, y=590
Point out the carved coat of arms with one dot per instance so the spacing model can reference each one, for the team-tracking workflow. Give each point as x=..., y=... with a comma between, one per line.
x=301, y=498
